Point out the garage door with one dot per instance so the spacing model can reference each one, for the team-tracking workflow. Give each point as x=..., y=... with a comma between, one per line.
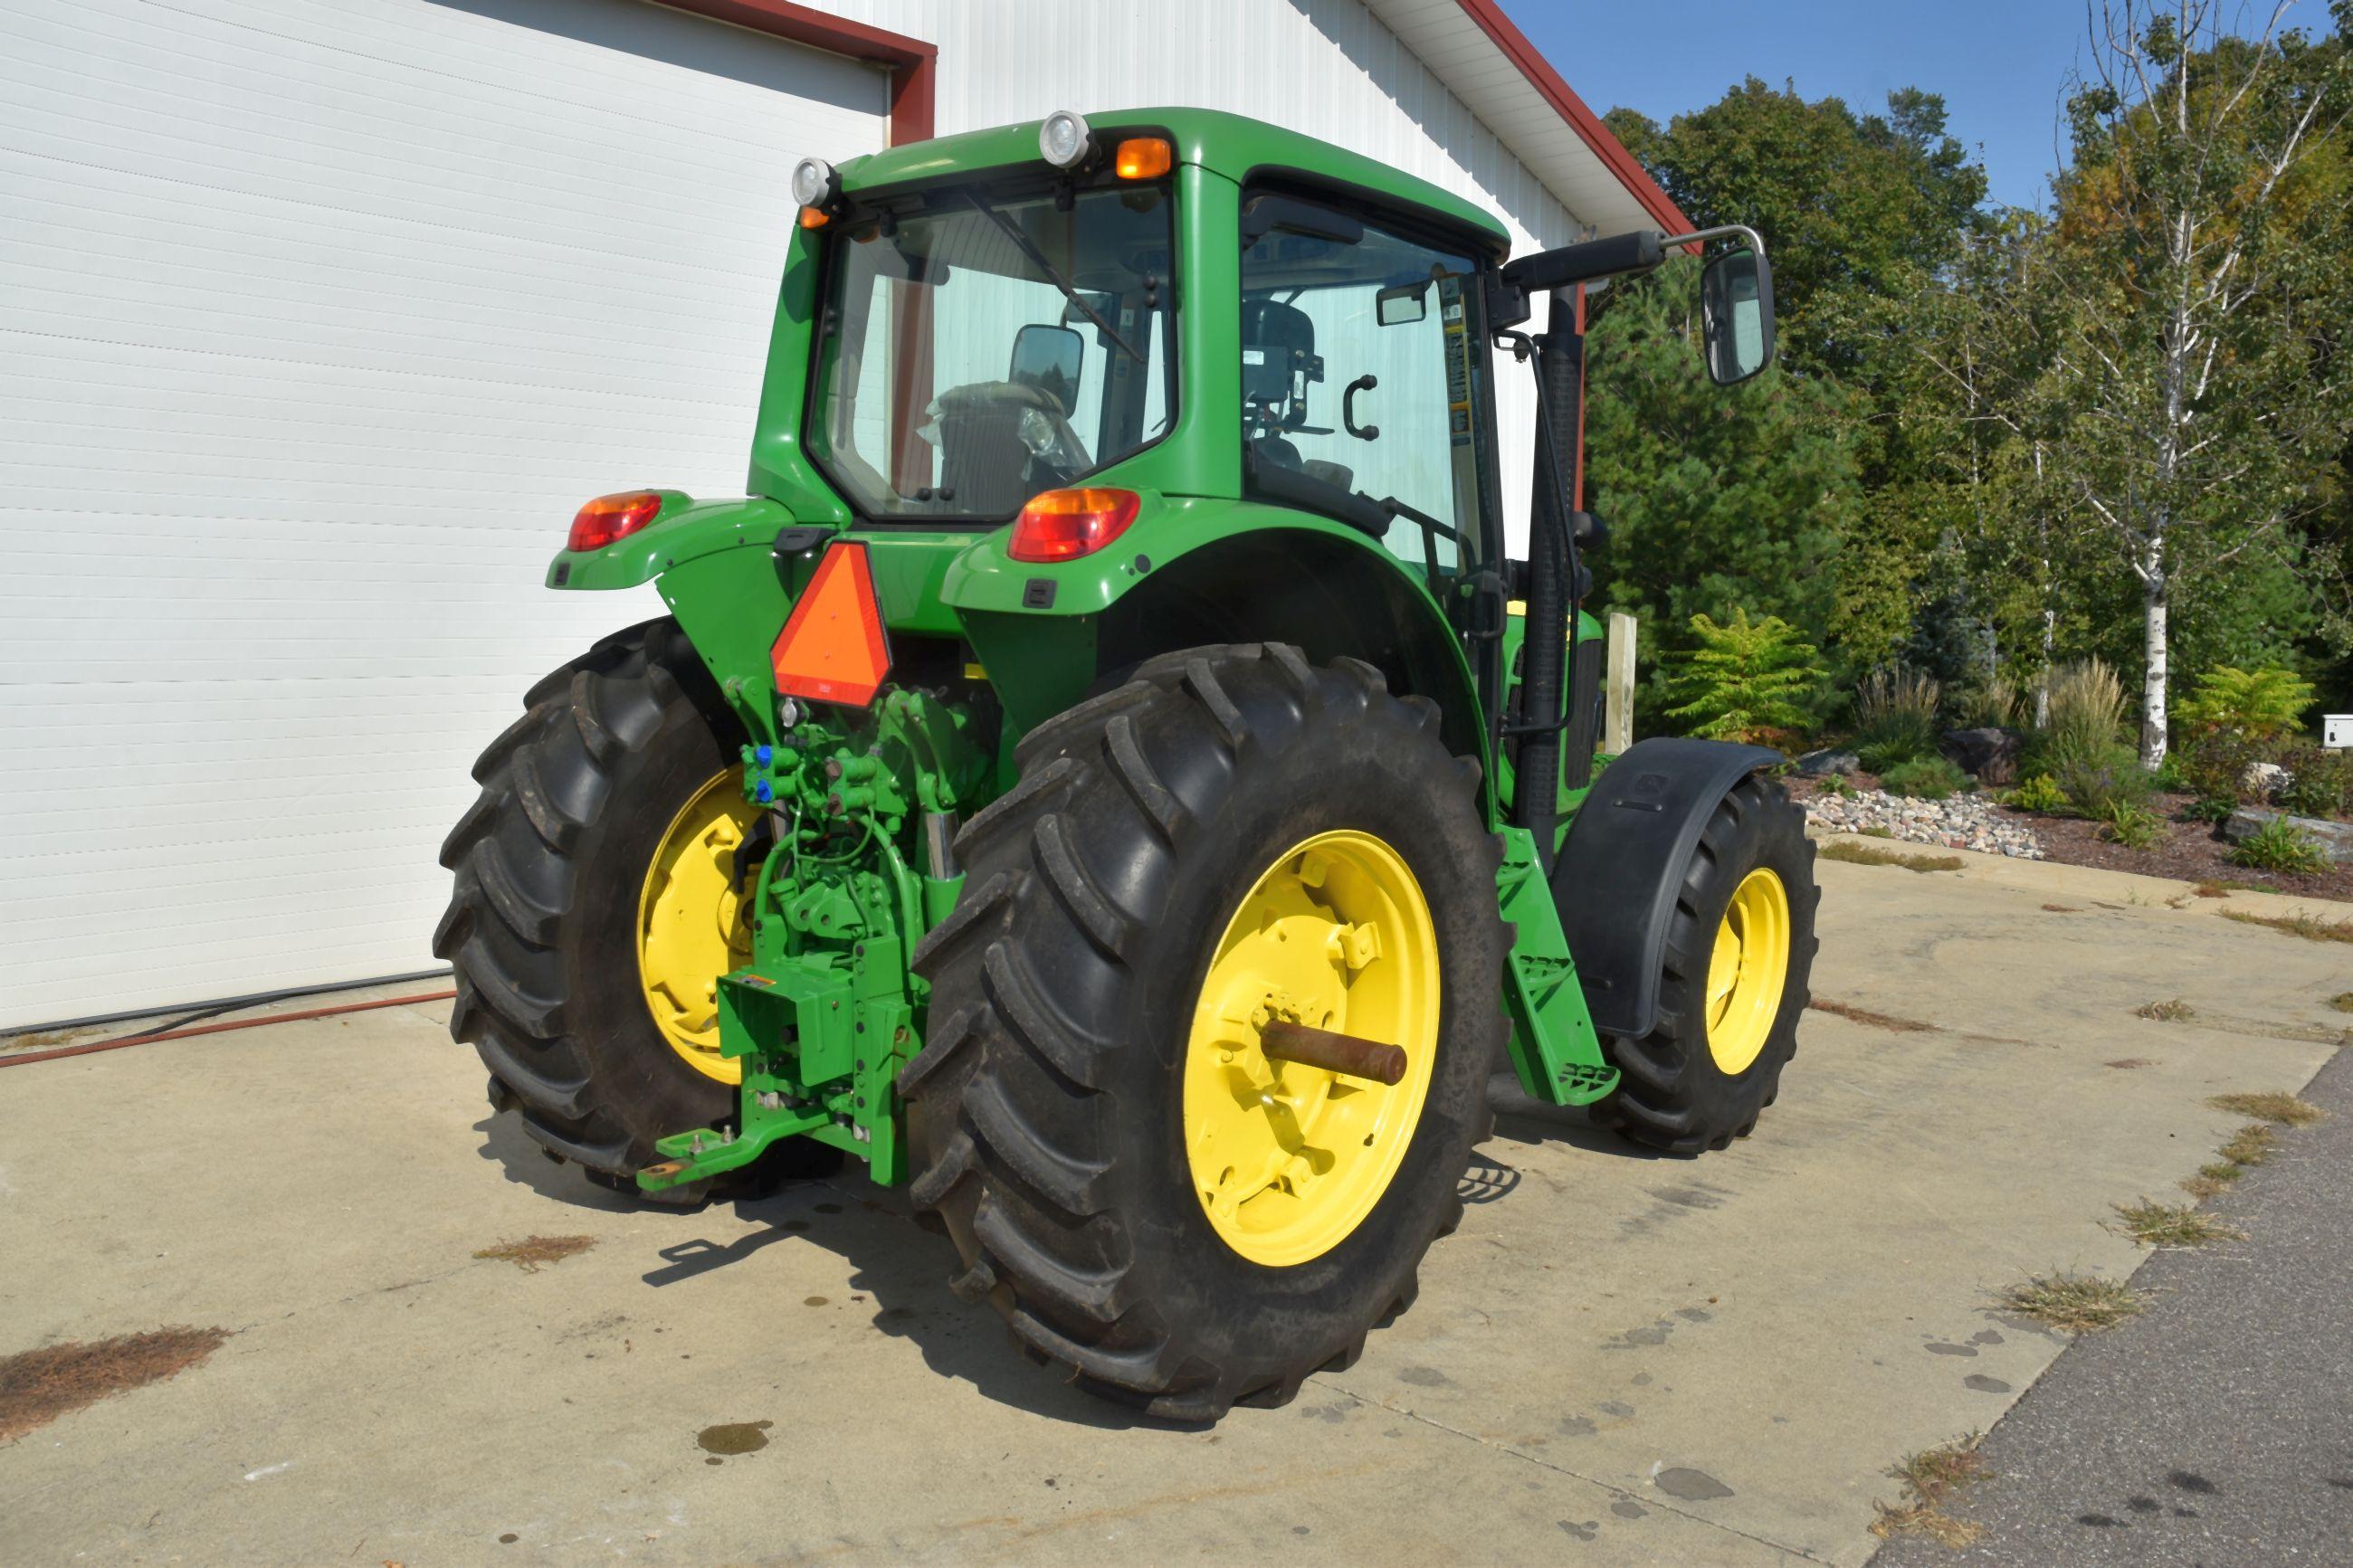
x=318, y=319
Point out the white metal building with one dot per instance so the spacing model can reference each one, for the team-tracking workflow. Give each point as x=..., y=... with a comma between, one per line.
x=318, y=317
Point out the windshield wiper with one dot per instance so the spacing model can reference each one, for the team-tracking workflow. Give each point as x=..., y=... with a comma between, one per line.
x=1012, y=231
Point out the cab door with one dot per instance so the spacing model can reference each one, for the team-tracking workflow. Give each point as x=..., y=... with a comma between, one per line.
x=1364, y=369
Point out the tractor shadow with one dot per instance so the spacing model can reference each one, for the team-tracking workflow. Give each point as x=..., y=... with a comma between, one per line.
x=896, y=1263
x=1522, y=1119
x=526, y=1164
x=899, y=1266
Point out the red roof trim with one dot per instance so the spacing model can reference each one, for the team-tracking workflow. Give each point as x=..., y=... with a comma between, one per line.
x=1531, y=64
x=914, y=63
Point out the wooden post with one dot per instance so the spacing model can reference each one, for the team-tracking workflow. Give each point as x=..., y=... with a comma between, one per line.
x=1618, y=723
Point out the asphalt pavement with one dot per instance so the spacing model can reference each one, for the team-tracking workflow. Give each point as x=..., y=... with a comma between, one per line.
x=2216, y=1428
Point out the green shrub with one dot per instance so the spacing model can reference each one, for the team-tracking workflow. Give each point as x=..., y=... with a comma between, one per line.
x=2087, y=714
x=1745, y=679
x=2212, y=764
x=1895, y=718
x=2256, y=703
x=2213, y=808
x=2319, y=779
x=2098, y=783
x=2133, y=827
x=2040, y=793
x=2277, y=846
x=1924, y=778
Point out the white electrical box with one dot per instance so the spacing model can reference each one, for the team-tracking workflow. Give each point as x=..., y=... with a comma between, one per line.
x=2336, y=730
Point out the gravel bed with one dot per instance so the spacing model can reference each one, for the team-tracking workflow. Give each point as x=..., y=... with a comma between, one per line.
x=1962, y=821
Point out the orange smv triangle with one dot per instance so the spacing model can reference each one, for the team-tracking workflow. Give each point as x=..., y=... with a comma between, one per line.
x=832, y=648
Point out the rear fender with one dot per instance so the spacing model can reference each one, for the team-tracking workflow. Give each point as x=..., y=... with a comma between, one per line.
x=1194, y=572
x=712, y=562
x=1616, y=883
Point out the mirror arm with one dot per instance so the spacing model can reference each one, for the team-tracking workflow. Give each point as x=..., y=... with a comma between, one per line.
x=1722, y=231
x=1637, y=252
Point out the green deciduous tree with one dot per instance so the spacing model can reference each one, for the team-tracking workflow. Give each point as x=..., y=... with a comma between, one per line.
x=2196, y=247
x=1854, y=205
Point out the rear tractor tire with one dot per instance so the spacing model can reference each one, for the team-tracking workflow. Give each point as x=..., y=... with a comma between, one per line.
x=600, y=879
x=1230, y=838
x=1732, y=980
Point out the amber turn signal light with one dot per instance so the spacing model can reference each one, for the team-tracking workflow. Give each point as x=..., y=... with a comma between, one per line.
x=815, y=217
x=1062, y=525
x=1143, y=158
x=608, y=518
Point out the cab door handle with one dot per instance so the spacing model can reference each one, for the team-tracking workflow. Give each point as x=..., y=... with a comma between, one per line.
x=1365, y=382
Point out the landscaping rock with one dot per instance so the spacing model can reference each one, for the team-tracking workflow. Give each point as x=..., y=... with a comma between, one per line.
x=2264, y=780
x=1828, y=759
x=1989, y=756
x=1963, y=822
x=2336, y=837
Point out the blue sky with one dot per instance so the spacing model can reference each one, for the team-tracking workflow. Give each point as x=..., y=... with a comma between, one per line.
x=1998, y=63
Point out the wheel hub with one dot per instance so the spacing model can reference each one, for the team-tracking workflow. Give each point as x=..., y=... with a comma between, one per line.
x=1746, y=971
x=693, y=923
x=1288, y=1159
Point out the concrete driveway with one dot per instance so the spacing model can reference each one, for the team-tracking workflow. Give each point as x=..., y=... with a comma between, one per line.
x=1618, y=1358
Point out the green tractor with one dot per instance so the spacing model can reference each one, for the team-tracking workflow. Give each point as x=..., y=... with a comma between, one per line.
x=1107, y=775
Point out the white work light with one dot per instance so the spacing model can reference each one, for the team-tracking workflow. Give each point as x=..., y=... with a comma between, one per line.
x=1064, y=139
x=814, y=182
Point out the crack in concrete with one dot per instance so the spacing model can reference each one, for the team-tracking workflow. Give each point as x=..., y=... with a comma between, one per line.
x=1648, y=1501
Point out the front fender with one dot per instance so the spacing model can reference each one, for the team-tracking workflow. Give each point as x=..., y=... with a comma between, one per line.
x=1623, y=864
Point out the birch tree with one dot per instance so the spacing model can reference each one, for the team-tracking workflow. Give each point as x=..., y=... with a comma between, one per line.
x=2196, y=248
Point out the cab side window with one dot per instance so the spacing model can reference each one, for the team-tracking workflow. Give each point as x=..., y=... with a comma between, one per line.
x=1360, y=360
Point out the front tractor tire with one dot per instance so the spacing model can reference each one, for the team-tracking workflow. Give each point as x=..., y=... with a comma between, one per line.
x=1152, y=1201
x=601, y=876
x=1733, y=981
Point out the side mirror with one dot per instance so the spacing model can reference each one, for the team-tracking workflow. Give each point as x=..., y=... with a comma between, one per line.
x=1735, y=307
x=1050, y=359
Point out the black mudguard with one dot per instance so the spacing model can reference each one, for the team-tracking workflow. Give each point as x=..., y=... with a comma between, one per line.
x=1616, y=880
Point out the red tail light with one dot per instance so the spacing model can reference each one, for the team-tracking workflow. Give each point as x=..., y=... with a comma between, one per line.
x=608, y=518
x=1062, y=525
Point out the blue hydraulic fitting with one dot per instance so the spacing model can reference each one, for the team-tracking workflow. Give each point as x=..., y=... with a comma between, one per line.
x=764, y=755
x=764, y=792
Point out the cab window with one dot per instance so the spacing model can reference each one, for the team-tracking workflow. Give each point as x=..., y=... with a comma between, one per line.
x=1360, y=370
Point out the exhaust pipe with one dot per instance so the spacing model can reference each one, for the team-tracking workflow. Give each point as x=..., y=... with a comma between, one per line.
x=1552, y=567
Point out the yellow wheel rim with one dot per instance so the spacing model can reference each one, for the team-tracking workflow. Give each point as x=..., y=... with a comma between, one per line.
x=1287, y=1159
x=1746, y=971
x=692, y=927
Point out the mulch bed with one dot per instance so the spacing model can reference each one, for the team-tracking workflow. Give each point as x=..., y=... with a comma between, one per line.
x=2191, y=850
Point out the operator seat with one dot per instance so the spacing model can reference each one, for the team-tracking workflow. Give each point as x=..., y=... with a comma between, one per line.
x=1278, y=362
x=991, y=433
